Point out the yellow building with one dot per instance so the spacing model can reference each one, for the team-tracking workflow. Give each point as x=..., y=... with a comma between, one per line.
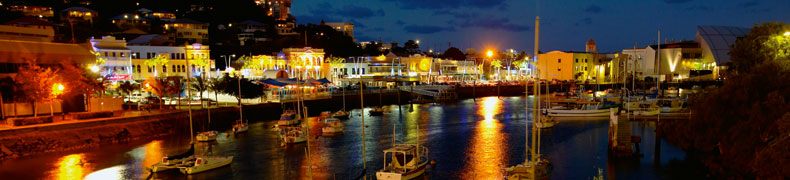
x=306, y=60
x=176, y=65
x=187, y=31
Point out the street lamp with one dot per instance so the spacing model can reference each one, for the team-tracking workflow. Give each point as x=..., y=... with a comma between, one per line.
x=489, y=53
x=94, y=68
x=787, y=33
x=57, y=89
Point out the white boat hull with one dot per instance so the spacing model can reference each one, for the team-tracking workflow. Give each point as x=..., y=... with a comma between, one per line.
x=383, y=175
x=206, y=136
x=596, y=114
x=331, y=130
x=287, y=122
x=240, y=128
x=206, y=163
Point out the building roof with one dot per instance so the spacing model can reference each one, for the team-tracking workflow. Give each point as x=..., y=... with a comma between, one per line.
x=129, y=16
x=28, y=20
x=719, y=39
x=591, y=42
x=44, y=52
x=681, y=44
x=146, y=39
x=144, y=10
x=80, y=9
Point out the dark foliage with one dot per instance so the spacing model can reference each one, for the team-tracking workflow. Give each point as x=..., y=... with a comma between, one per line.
x=742, y=129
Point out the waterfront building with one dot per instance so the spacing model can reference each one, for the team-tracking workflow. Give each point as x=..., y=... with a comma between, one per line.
x=344, y=27
x=307, y=61
x=715, y=42
x=27, y=29
x=641, y=62
x=684, y=61
x=187, y=31
x=115, y=59
x=575, y=66
x=30, y=9
x=176, y=65
x=76, y=15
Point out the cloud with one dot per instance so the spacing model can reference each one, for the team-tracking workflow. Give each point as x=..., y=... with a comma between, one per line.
x=399, y=22
x=676, y=1
x=358, y=24
x=313, y=19
x=493, y=23
x=426, y=29
x=449, y=4
x=748, y=4
x=593, y=9
x=586, y=21
x=353, y=11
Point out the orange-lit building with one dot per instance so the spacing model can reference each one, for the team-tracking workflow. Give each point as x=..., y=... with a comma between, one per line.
x=30, y=9
x=78, y=15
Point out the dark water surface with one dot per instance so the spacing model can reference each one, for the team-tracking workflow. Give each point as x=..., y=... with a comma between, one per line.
x=468, y=139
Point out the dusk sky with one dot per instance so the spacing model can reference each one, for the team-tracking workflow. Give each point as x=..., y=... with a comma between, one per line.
x=565, y=24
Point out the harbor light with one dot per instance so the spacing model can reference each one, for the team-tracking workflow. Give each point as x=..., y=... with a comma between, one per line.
x=787, y=33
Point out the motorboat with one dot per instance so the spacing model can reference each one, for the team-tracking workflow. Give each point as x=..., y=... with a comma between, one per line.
x=376, y=111
x=289, y=118
x=643, y=108
x=240, y=126
x=403, y=161
x=206, y=136
x=578, y=113
x=292, y=135
x=341, y=114
x=333, y=125
x=542, y=170
x=173, y=162
x=204, y=163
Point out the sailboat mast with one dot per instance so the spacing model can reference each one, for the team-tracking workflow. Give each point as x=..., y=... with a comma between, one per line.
x=362, y=114
x=536, y=87
x=191, y=131
x=658, y=61
x=240, y=108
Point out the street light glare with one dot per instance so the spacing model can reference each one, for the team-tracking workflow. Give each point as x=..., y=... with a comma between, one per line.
x=787, y=33
x=489, y=53
x=94, y=68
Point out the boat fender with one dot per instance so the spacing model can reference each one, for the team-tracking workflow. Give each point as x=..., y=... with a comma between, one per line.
x=433, y=163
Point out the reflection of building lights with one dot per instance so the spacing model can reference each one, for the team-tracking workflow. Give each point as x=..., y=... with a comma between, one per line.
x=71, y=167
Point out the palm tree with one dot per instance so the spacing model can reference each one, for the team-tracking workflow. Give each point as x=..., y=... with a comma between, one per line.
x=215, y=85
x=156, y=61
x=127, y=88
x=174, y=88
x=199, y=84
x=496, y=64
x=157, y=87
x=335, y=62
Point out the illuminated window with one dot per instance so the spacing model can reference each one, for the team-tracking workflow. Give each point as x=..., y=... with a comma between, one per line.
x=559, y=60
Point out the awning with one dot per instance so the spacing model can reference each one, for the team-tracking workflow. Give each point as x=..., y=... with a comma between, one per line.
x=273, y=82
x=324, y=81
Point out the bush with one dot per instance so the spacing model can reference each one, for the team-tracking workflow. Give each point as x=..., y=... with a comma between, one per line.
x=24, y=121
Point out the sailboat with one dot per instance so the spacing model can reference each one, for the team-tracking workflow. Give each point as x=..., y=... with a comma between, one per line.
x=289, y=117
x=172, y=162
x=534, y=167
x=379, y=110
x=292, y=131
x=188, y=162
x=342, y=114
x=240, y=126
x=404, y=161
x=545, y=121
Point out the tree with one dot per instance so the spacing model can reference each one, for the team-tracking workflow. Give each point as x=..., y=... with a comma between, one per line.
x=471, y=52
x=156, y=86
x=454, y=53
x=215, y=85
x=230, y=86
x=156, y=61
x=335, y=62
x=199, y=84
x=127, y=87
x=372, y=49
x=34, y=83
x=741, y=130
x=411, y=47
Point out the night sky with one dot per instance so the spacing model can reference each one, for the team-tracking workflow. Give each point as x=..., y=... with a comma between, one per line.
x=565, y=24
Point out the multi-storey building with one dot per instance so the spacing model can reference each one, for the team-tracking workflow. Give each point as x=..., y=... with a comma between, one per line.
x=187, y=31
x=247, y=31
x=345, y=27
x=78, y=15
x=307, y=61
x=176, y=64
x=277, y=9
x=117, y=60
x=30, y=9
x=27, y=29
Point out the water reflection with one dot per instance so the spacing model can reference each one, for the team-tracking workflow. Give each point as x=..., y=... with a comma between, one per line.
x=72, y=166
x=487, y=157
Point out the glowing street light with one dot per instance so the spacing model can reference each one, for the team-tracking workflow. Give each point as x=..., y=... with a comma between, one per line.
x=94, y=68
x=787, y=33
x=417, y=41
x=489, y=53
x=57, y=89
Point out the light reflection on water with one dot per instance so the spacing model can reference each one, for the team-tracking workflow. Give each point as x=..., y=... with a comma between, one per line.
x=470, y=139
x=487, y=157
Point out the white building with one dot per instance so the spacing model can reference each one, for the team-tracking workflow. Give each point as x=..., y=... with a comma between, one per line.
x=645, y=59
x=118, y=61
x=177, y=57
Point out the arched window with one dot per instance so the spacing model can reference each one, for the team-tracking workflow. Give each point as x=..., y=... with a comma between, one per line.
x=174, y=68
x=164, y=68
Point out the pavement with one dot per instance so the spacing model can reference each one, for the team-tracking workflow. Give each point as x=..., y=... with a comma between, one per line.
x=60, y=119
